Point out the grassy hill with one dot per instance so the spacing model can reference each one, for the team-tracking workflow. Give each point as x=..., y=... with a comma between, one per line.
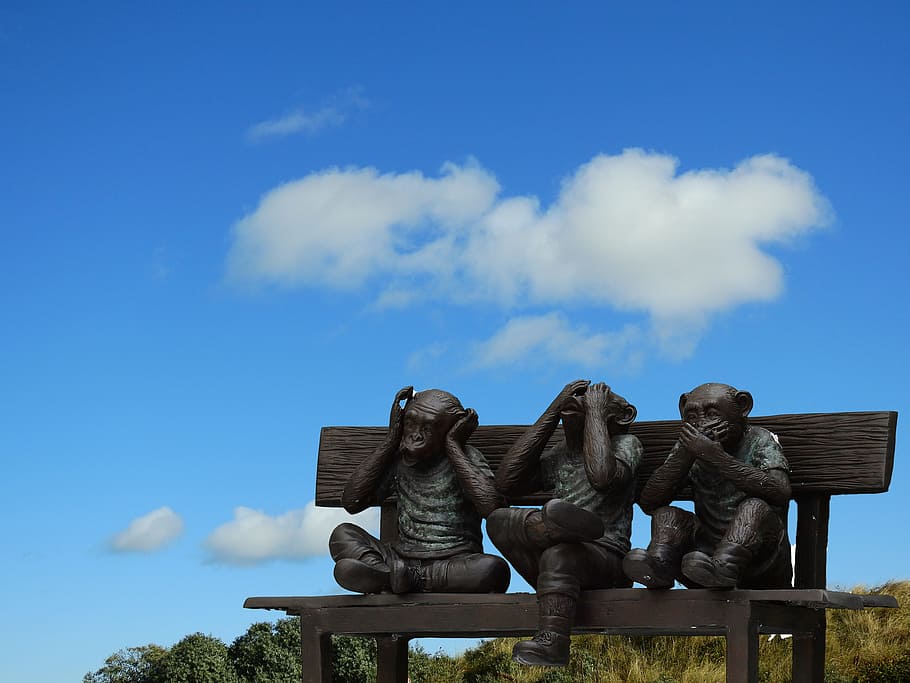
x=868, y=646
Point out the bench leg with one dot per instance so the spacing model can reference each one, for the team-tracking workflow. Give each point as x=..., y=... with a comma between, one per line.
x=809, y=654
x=316, y=652
x=742, y=648
x=391, y=659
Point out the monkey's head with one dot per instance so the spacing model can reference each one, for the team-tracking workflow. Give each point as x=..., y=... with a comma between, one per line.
x=717, y=410
x=620, y=414
x=427, y=419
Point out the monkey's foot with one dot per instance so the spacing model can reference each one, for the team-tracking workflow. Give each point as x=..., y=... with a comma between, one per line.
x=709, y=572
x=361, y=577
x=650, y=571
x=547, y=648
x=408, y=578
x=569, y=523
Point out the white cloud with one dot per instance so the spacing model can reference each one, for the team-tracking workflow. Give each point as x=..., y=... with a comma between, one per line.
x=339, y=227
x=551, y=335
x=150, y=532
x=627, y=232
x=310, y=121
x=253, y=536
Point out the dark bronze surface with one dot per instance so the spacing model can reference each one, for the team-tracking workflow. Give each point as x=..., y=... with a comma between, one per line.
x=829, y=454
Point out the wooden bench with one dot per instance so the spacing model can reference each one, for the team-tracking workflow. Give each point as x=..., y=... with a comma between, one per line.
x=829, y=454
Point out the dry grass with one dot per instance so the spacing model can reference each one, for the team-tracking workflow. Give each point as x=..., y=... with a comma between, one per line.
x=861, y=645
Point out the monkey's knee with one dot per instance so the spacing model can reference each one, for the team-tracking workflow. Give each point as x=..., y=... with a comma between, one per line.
x=477, y=573
x=350, y=541
x=672, y=526
x=504, y=523
x=753, y=523
x=493, y=574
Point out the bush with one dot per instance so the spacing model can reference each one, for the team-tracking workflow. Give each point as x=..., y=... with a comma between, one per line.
x=353, y=659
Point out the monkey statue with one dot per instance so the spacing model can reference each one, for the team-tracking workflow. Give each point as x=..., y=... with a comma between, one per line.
x=578, y=539
x=740, y=483
x=444, y=487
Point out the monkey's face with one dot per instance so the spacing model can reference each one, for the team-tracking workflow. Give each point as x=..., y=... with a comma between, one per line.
x=573, y=414
x=423, y=435
x=711, y=411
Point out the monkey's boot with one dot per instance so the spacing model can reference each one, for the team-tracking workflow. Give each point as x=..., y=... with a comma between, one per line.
x=562, y=522
x=550, y=645
x=722, y=570
x=362, y=576
x=655, y=567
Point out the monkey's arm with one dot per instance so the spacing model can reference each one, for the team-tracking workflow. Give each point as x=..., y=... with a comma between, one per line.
x=360, y=489
x=665, y=481
x=771, y=485
x=518, y=471
x=471, y=468
x=600, y=465
x=476, y=481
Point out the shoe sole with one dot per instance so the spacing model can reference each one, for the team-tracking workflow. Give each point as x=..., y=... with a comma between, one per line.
x=533, y=661
x=565, y=517
x=641, y=571
x=530, y=659
x=704, y=575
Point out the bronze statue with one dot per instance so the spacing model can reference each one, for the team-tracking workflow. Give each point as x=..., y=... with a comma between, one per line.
x=578, y=539
x=443, y=487
x=740, y=483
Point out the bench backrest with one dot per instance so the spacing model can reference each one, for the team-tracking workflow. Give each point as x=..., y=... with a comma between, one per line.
x=829, y=454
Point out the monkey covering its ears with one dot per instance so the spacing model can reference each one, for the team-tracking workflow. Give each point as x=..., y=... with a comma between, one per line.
x=443, y=487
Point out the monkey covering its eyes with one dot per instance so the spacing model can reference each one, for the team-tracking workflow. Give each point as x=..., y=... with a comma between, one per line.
x=578, y=539
x=443, y=487
x=740, y=483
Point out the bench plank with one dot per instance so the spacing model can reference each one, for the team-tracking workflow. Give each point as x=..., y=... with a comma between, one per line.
x=617, y=610
x=829, y=453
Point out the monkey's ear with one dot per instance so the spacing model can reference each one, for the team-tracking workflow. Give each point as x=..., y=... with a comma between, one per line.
x=744, y=402
x=627, y=416
x=683, y=398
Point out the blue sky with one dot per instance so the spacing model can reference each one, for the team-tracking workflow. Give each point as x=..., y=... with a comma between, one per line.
x=226, y=225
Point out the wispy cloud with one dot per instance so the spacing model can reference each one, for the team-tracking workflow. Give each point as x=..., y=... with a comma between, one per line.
x=310, y=120
x=149, y=533
x=550, y=335
x=628, y=232
x=253, y=536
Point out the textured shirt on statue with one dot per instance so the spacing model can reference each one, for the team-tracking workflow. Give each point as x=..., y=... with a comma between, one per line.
x=716, y=497
x=436, y=519
x=565, y=474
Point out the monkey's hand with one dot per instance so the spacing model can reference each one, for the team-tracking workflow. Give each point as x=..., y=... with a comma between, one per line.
x=461, y=431
x=597, y=399
x=396, y=415
x=720, y=430
x=701, y=446
x=568, y=397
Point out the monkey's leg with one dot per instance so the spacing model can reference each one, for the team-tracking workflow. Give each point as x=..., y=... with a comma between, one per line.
x=749, y=547
x=508, y=530
x=672, y=535
x=362, y=562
